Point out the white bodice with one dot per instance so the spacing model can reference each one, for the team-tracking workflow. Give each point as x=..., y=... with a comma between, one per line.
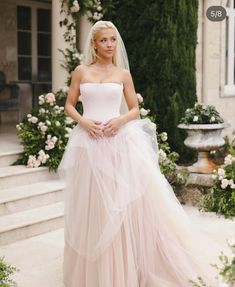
x=101, y=101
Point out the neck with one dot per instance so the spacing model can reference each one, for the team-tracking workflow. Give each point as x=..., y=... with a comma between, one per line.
x=104, y=62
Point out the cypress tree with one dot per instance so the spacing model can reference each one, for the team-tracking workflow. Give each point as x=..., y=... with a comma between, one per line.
x=160, y=37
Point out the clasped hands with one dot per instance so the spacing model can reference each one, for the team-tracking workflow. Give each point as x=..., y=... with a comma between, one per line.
x=98, y=129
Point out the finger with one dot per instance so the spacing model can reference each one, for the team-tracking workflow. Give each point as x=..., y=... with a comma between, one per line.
x=97, y=122
x=106, y=123
x=92, y=134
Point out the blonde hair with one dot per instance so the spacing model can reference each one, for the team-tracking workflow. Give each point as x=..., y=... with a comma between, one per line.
x=90, y=56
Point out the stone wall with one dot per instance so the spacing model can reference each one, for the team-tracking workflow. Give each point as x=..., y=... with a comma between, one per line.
x=8, y=38
x=211, y=66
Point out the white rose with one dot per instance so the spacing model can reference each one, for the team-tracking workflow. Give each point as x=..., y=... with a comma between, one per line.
x=57, y=123
x=42, y=111
x=41, y=102
x=229, y=159
x=54, y=139
x=29, y=116
x=212, y=119
x=221, y=172
x=37, y=163
x=164, y=136
x=224, y=183
x=195, y=118
x=50, y=98
x=48, y=122
x=50, y=145
x=144, y=112
x=68, y=130
x=162, y=155
x=231, y=182
x=68, y=121
x=140, y=98
x=34, y=120
x=43, y=128
x=18, y=127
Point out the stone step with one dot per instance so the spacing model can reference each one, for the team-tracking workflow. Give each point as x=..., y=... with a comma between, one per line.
x=31, y=222
x=18, y=175
x=9, y=157
x=33, y=195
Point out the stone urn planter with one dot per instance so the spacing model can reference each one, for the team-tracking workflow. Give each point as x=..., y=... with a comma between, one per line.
x=203, y=138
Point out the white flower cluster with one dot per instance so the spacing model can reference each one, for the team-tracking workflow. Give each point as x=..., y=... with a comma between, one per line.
x=42, y=127
x=48, y=98
x=68, y=121
x=50, y=142
x=140, y=98
x=97, y=15
x=144, y=112
x=76, y=7
x=58, y=109
x=229, y=159
x=162, y=155
x=68, y=130
x=32, y=119
x=77, y=56
x=34, y=161
x=221, y=174
x=19, y=126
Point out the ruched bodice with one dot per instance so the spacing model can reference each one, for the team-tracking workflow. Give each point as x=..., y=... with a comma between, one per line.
x=101, y=101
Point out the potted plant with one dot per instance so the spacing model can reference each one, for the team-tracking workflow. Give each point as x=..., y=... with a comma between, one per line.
x=204, y=125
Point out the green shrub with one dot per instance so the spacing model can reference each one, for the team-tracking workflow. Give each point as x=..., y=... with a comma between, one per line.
x=6, y=271
x=161, y=38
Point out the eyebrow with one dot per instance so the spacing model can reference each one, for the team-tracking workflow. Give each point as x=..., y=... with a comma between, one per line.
x=107, y=37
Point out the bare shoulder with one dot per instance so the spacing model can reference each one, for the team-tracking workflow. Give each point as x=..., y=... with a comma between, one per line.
x=79, y=71
x=124, y=74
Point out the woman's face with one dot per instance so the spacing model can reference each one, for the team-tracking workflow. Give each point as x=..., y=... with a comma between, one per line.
x=105, y=43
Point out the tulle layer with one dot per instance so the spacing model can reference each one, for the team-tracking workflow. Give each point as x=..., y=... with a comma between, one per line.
x=124, y=227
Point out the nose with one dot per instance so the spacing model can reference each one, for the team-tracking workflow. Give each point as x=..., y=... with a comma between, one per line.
x=109, y=43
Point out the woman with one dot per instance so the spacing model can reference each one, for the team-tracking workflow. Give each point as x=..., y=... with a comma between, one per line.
x=124, y=227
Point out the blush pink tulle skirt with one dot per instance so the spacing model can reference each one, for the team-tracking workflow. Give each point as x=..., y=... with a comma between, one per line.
x=124, y=226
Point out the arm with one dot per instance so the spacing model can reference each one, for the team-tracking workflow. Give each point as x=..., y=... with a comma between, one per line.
x=131, y=99
x=112, y=126
x=73, y=95
x=91, y=126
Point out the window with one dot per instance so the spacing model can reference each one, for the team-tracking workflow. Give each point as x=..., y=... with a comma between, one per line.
x=34, y=43
x=44, y=44
x=24, y=40
x=230, y=49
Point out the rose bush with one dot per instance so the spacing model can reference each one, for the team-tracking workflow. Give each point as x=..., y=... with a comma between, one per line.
x=44, y=133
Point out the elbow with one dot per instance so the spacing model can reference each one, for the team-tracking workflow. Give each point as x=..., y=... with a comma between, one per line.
x=67, y=109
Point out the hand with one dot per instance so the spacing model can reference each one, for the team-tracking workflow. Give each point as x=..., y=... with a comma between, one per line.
x=112, y=126
x=93, y=128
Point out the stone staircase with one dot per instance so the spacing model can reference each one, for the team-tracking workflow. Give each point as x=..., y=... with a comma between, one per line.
x=31, y=199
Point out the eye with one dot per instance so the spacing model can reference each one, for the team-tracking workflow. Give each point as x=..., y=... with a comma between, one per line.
x=103, y=40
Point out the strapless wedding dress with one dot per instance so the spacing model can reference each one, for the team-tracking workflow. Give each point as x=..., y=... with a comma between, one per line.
x=124, y=226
